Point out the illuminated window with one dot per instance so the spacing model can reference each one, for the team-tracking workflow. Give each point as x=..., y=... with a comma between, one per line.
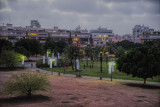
x=33, y=33
x=99, y=35
x=105, y=35
x=36, y=37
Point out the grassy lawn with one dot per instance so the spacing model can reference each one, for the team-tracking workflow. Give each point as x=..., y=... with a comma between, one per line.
x=95, y=72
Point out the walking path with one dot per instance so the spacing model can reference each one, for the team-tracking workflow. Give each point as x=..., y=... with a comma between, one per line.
x=35, y=69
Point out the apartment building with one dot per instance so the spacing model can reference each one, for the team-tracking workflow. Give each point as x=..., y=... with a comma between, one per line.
x=150, y=36
x=101, y=35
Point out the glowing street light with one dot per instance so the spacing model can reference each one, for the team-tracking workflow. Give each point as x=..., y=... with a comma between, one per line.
x=51, y=61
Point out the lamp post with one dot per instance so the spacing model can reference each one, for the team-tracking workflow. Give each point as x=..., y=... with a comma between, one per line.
x=76, y=39
x=101, y=65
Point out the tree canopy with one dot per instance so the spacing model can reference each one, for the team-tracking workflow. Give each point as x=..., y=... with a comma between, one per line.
x=9, y=59
x=142, y=62
x=126, y=44
x=5, y=45
x=28, y=47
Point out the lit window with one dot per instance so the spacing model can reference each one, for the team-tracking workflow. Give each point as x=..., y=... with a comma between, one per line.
x=105, y=35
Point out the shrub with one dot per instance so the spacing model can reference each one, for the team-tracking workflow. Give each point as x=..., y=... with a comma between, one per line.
x=26, y=83
x=9, y=59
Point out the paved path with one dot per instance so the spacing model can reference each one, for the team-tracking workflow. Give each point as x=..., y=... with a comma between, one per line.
x=34, y=68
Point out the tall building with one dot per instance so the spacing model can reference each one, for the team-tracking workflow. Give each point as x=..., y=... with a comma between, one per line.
x=35, y=24
x=139, y=30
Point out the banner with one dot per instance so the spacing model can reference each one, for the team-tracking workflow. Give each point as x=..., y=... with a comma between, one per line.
x=23, y=60
x=113, y=68
x=43, y=59
x=77, y=62
x=50, y=62
x=52, y=55
x=55, y=62
x=109, y=68
x=58, y=55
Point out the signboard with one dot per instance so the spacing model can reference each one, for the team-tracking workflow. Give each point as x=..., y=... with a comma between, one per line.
x=58, y=55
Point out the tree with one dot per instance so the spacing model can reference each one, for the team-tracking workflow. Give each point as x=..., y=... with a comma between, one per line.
x=50, y=44
x=110, y=48
x=9, y=58
x=26, y=83
x=125, y=44
x=5, y=45
x=72, y=52
x=30, y=47
x=142, y=62
x=119, y=51
x=59, y=46
x=88, y=52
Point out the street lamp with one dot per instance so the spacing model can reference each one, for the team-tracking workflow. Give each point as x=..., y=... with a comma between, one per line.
x=101, y=65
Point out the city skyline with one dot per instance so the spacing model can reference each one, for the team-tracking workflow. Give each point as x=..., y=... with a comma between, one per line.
x=120, y=16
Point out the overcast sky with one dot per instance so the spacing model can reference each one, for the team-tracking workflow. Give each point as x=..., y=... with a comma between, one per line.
x=118, y=15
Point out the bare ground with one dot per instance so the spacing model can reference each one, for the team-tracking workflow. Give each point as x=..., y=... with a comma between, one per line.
x=80, y=92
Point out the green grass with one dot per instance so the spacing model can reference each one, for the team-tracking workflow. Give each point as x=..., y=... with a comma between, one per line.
x=95, y=72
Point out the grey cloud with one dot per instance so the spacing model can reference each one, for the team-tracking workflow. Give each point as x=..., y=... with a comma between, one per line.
x=81, y=6
x=2, y=4
x=119, y=15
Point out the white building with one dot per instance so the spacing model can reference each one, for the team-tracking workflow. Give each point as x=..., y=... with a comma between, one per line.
x=101, y=35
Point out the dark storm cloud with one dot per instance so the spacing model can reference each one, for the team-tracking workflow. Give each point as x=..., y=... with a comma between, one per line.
x=119, y=15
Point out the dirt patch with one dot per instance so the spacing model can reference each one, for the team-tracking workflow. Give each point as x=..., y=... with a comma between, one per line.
x=80, y=92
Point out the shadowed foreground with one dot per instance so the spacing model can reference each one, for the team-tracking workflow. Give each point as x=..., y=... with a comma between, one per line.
x=78, y=92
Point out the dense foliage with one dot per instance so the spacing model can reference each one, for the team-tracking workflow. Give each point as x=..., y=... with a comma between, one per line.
x=142, y=62
x=5, y=45
x=9, y=58
x=28, y=47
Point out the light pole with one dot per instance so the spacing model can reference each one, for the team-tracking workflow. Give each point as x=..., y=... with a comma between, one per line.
x=101, y=65
x=76, y=39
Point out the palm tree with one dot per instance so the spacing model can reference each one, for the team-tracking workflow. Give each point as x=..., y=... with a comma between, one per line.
x=110, y=47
